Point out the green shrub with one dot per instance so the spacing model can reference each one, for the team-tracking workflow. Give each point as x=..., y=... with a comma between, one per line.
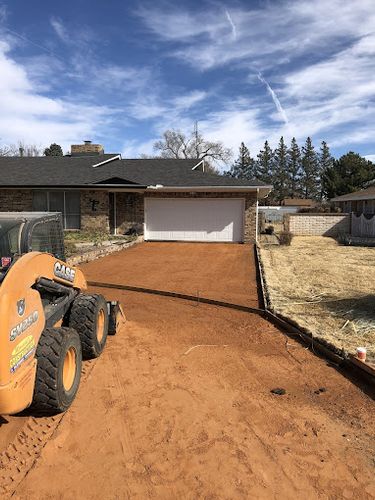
x=285, y=238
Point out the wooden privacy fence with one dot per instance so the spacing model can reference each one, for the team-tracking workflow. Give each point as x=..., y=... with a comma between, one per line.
x=363, y=225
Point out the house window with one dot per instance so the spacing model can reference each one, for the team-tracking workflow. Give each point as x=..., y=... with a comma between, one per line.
x=66, y=202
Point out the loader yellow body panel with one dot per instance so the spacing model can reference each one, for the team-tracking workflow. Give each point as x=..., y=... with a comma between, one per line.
x=22, y=321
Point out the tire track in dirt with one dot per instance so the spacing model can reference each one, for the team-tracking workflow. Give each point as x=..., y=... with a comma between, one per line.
x=22, y=453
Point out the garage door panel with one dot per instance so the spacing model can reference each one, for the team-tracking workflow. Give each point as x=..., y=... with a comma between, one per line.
x=194, y=220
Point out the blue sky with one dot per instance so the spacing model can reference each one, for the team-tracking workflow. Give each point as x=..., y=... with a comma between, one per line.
x=122, y=72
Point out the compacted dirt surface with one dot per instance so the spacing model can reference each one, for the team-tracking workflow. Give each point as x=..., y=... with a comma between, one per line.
x=179, y=406
x=216, y=271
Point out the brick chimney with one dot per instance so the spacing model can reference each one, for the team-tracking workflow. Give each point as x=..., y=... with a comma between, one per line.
x=86, y=149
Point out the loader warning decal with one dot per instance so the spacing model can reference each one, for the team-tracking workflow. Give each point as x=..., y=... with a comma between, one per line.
x=24, y=325
x=22, y=352
x=64, y=272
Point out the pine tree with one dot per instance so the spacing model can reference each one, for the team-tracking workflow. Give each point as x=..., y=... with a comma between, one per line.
x=54, y=150
x=326, y=162
x=294, y=169
x=310, y=180
x=244, y=165
x=349, y=173
x=265, y=164
x=280, y=171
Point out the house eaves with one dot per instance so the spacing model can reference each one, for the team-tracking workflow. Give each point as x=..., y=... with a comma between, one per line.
x=96, y=187
x=262, y=190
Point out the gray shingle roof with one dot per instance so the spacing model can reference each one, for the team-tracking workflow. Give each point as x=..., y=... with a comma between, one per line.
x=79, y=171
x=363, y=194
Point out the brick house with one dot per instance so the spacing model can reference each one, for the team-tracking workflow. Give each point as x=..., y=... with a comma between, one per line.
x=169, y=199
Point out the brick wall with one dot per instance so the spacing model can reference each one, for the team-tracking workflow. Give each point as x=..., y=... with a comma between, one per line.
x=95, y=211
x=318, y=224
x=250, y=206
x=129, y=211
x=16, y=200
x=86, y=148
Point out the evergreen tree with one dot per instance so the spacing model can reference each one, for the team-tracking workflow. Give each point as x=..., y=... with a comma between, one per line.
x=310, y=179
x=244, y=166
x=349, y=173
x=294, y=169
x=54, y=150
x=280, y=171
x=326, y=162
x=264, y=164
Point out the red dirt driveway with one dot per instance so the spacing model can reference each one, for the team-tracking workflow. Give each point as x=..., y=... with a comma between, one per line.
x=179, y=403
x=217, y=271
x=179, y=407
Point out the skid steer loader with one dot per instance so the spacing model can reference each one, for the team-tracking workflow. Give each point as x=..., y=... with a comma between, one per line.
x=47, y=322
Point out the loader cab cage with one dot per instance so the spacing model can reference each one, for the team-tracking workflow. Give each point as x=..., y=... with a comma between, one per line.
x=23, y=232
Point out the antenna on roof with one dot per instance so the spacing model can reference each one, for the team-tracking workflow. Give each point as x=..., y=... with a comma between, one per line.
x=196, y=135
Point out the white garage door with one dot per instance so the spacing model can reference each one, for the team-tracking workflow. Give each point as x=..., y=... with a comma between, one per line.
x=207, y=219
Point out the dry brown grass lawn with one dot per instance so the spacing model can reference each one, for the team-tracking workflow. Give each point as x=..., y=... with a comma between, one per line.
x=325, y=287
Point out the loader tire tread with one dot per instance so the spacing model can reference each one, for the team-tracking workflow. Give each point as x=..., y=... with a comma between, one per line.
x=49, y=396
x=82, y=316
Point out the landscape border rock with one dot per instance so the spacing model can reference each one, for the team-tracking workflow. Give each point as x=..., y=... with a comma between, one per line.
x=101, y=251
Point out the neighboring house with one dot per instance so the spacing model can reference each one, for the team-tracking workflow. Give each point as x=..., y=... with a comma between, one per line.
x=298, y=203
x=169, y=199
x=360, y=202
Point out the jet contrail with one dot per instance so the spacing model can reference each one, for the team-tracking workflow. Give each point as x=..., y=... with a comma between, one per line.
x=233, y=26
x=275, y=99
x=27, y=40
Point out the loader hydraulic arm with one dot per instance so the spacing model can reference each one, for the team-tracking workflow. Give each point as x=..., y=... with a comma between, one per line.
x=57, y=299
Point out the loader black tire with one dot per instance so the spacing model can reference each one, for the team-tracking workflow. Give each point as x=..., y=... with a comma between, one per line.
x=88, y=315
x=58, y=372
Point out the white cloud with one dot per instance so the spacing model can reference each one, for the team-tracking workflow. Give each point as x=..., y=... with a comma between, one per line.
x=3, y=12
x=266, y=35
x=370, y=157
x=190, y=99
x=135, y=148
x=324, y=97
x=32, y=117
x=60, y=30
x=316, y=59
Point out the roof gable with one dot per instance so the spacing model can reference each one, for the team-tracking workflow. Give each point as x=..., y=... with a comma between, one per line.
x=116, y=180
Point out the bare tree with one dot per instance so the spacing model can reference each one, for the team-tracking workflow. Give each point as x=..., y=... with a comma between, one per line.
x=6, y=150
x=176, y=144
x=20, y=149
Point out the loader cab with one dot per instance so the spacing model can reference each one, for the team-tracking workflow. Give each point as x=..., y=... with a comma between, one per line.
x=24, y=232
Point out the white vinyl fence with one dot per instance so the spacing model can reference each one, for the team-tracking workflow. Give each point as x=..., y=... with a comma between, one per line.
x=363, y=226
